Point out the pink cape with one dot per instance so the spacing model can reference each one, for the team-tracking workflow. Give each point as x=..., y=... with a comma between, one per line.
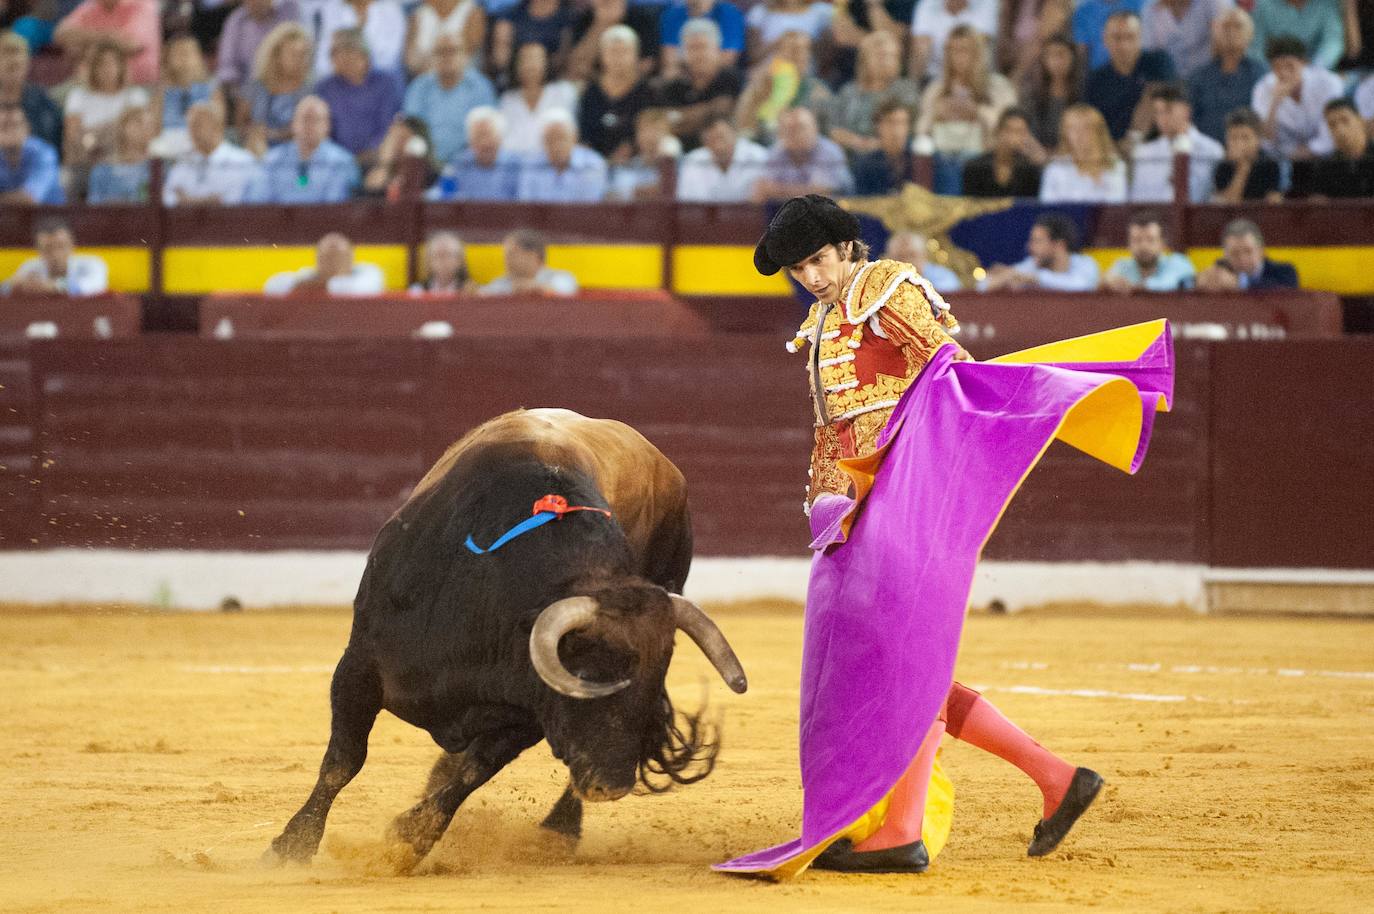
x=892, y=569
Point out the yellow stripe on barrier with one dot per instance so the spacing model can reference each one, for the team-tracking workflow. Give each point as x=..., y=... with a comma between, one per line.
x=717, y=269
x=596, y=266
x=610, y=266
x=191, y=271
x=1105, y=257
x=130, y=268
x=697, y=269
x=485, y=262
x=1343, y=269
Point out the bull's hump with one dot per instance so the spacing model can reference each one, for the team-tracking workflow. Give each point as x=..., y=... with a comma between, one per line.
x=612, y=453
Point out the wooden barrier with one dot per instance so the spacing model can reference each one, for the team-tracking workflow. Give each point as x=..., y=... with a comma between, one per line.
x=990, y=324
x=94, y=317
x=587, y=315
x=1292, y=459
x=995, y=323
x=178, y=442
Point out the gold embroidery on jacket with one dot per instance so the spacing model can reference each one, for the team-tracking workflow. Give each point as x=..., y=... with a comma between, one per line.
x=905, y=319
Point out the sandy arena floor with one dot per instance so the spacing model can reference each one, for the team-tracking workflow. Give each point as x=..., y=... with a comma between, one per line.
x=150, y=759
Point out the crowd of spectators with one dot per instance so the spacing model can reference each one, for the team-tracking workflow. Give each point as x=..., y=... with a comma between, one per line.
x=314, y=101
x=1054, y=263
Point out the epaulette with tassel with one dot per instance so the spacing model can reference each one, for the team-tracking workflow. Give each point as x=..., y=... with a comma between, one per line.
x=803, y=332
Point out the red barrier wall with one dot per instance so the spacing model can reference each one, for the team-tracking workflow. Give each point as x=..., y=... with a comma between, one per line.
x=98, y=316
x=1292, y=469
x=187, y=443
x=991, y=323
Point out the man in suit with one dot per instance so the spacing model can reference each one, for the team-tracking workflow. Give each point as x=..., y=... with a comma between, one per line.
x=1244, y=265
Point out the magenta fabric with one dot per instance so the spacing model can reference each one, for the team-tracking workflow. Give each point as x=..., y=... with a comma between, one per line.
x=885, y=609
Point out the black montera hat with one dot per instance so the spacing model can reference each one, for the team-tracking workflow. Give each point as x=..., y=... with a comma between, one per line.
x=801, y=227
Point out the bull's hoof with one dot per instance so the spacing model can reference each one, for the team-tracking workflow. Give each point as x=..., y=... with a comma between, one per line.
x=410, y=841
x=566, y=817
x=277, y=856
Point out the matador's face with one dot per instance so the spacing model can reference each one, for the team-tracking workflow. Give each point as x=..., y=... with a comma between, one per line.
x=823, y=274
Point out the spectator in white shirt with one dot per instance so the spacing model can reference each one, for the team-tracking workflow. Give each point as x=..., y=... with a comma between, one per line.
x=1087, y=168
x=932, y=22
x=1152, y=180
x=93, y=107
x=533, y=96
x=769, y=20
x=526, y=271
x=334, y=272
x=446, y=266
x=1182, y=29
x=724, y=168
x=1290, y=100
x=214, y=171
x=1364, y=101
x=56, y=270
x=383, y=25
x=1053, y=263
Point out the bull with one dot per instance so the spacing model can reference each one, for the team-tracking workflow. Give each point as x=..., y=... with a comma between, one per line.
x=563, y=633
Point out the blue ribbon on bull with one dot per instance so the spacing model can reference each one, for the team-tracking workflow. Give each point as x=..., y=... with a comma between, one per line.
x=550, y=507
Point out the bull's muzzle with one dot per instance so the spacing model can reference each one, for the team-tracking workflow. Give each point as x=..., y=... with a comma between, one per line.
x=599, y=793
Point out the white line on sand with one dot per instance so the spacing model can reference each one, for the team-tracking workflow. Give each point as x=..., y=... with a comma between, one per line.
x=1095, y=693
x=256, y=670
x=1192, y=669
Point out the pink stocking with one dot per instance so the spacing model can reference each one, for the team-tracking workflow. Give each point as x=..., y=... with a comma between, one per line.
x=907, y=809
x=973, y=719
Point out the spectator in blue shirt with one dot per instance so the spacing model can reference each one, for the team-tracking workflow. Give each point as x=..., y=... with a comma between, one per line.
x=887, y=168
x=1318, y=24
x=125, y=177
x=1090, y=20
x=28, y=166
x=1118, y=87
x=564, y=171
x=443, y=97
x=546, y=22
x=483, y=171
x=802, y=161
x=1227, y=81
x=675, y=16
x=45, y=117
x=1150, y=266
x=1053, y=264
x=362, y=100
x=309, y=169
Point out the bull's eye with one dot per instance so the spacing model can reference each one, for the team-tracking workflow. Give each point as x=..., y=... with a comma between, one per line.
x=594, y=660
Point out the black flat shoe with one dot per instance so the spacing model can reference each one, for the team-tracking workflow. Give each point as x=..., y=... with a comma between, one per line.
x=1083, y=789
x=842, y=858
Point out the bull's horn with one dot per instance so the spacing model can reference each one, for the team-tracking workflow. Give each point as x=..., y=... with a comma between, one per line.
x=703, y=631
x=553, y=623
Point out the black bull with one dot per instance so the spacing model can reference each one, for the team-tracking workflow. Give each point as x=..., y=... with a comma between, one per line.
x=564, y=633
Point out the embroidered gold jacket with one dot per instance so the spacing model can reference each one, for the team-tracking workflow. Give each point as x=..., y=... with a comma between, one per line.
x=866, y=348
